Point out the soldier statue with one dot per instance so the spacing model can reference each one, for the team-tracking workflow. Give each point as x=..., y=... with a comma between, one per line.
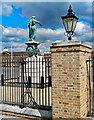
x=32, y=28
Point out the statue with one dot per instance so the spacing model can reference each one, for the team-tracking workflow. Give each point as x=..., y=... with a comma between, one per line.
x=32, y=45
x=32, y=28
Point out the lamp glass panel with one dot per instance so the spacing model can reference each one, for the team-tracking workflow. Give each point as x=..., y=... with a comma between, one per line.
x=74, y=24
x=68, y=24
x=65, y=25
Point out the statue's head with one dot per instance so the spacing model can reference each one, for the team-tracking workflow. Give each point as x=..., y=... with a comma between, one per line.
x=33, y=17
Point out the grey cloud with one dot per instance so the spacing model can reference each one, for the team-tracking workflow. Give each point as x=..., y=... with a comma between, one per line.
x=49, y=13
x=5, y=9
x=1, y=32
x=49, y=34
x=83, y=32
x=14, y=33
x=15, y=46
x=46, y=36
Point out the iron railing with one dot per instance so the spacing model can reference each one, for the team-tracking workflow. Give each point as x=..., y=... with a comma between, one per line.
x=90, y=85
x=26, y=82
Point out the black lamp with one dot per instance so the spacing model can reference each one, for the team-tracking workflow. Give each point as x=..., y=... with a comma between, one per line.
x=69, y=21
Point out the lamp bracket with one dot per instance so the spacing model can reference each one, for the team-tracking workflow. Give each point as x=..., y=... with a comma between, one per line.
x=69, y=34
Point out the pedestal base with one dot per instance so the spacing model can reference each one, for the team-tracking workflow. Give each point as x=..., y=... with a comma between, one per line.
x=32, y=48
x=32, y=43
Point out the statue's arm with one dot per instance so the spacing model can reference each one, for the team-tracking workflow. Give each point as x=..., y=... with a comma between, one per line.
x=38, y=22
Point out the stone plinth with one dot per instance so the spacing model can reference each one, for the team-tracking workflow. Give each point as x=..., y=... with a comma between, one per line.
x=32, y=48
x=69, y=79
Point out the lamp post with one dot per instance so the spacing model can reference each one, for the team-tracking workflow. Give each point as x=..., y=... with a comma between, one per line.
x=69, y=21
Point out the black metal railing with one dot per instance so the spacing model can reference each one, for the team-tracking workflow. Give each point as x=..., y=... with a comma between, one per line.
x=26, y=82
x=90, y=85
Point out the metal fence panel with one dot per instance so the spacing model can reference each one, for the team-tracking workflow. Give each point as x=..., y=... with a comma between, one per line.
x=26, y=82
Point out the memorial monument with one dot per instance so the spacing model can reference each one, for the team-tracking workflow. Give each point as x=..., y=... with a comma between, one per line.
x=32, y=44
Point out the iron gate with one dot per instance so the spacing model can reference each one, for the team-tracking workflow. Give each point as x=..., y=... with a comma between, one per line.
x=26, y=82
x=90, y=75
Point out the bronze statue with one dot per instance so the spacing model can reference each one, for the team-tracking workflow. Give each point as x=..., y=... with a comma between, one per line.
x=32, y=28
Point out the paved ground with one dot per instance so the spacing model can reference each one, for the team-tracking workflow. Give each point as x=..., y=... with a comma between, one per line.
x=5, y=117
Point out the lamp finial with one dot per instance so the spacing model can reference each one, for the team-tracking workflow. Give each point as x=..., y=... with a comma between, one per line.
x=70, y=10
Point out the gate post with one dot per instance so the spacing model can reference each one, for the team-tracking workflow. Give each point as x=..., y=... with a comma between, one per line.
x=69, y=79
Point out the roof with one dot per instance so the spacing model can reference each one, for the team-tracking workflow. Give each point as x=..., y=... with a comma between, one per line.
x=14, y=53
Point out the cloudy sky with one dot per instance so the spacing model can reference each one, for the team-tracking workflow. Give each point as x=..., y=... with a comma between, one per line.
x=14, y=18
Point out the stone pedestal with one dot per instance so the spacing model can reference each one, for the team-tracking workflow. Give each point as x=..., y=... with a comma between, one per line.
x=69, y=79
x=32, y=48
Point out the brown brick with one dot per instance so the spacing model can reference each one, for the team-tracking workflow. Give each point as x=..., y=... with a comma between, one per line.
x=69, y=79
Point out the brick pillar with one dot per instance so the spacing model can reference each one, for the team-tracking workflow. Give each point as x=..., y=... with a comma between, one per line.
x=69, y=79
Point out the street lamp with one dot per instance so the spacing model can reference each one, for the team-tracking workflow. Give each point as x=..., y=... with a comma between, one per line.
x=69, y=21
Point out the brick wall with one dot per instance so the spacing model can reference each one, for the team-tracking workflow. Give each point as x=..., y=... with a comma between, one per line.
x=69, y=79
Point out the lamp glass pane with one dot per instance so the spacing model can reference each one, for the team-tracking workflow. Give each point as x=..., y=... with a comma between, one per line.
x=68, y=24
x=74, y=24
x=65, y=25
